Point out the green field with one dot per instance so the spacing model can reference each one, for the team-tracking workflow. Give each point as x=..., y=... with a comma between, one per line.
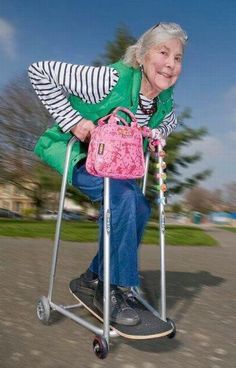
x=228, y=228
x=88, y=231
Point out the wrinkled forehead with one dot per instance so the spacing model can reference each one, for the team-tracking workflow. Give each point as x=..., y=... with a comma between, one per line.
x=171, y=44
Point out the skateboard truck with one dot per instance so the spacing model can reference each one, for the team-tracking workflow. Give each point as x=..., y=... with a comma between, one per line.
x=161, y=326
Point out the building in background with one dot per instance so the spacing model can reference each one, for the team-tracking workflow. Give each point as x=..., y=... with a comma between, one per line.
x=13, y=199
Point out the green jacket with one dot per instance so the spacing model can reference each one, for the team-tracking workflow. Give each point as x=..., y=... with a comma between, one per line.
x=51, y=146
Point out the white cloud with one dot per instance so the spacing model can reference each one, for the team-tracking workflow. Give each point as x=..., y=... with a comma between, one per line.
x=7, y=38
x=209, y=146
x=218, y=154
x=232, y=136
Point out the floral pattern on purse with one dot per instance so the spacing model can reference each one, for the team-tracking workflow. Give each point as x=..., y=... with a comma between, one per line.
x=116, y=148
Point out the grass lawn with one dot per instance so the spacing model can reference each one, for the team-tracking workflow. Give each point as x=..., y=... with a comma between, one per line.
x=88, y=232
x=228, y=228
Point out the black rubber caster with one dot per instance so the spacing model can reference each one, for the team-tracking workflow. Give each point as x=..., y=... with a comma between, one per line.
x=43, y=310
x=100, y=347
x=173, y=333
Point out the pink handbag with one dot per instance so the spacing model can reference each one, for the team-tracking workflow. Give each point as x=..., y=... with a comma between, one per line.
x=115, y=149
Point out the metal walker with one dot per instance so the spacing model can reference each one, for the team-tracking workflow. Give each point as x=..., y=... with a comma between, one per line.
x=46, y=306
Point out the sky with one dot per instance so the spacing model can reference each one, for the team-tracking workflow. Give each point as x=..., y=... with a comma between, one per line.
x=77, y=31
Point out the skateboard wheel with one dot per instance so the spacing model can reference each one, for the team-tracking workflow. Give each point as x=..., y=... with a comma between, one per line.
x=173, y=333
x=43, y=310
x=100, y=347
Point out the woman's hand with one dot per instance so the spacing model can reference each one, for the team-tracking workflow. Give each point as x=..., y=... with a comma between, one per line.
x=157, y=136
x=83, y=130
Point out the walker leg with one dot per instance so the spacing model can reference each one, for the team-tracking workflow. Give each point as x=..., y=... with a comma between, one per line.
x=59, y=218
x=144, y=183
x=162, y=235
x=106, y=261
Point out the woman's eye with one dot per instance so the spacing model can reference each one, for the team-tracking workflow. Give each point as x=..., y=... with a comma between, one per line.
x=163, y=52
x=178, y=59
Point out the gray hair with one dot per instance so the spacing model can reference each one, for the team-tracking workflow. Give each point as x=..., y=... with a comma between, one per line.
x=152, y=37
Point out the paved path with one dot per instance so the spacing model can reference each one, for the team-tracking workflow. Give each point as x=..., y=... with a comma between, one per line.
x=201, y=300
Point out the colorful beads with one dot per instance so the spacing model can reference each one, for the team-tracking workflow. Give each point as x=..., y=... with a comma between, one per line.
x=157, y=154
x=162, y=187
x=163, y=165
x=162, y=154
x=160, y=176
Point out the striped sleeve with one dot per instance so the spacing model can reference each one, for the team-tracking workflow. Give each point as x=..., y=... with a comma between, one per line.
x=168, y=124
x=53, y=81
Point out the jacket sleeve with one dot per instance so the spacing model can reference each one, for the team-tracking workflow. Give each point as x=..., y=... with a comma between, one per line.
x=168, y=124
x=54, y=81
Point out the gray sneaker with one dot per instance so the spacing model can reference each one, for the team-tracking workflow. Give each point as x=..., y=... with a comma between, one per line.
x=120, y=311
x=84, y=285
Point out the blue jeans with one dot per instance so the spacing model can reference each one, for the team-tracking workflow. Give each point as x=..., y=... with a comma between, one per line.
x=130, y=212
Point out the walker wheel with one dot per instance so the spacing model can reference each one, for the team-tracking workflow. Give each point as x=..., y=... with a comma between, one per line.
x=43, y=310
x=100, y=347
x=173, y=333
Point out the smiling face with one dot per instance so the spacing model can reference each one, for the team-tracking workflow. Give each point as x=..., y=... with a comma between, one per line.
x=161, y=67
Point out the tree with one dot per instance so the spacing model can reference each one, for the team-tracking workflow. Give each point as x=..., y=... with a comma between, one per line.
x=199, y=199
x=204, y=200
x=116, y=49
x=177, y=160
x=230, y=196
x=23, y=119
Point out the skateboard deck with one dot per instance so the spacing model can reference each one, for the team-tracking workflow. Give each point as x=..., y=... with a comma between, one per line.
x=149, y=327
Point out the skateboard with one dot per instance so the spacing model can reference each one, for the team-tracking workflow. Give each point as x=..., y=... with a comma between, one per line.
x=149, y=327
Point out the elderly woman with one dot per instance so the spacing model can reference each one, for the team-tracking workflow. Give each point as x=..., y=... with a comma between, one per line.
x=77, y=96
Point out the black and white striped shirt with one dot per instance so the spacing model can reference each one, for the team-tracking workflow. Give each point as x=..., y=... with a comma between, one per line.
x=53, y=81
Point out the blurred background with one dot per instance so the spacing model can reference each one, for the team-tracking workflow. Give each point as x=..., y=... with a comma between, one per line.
x=201, y=181
x=201, y=173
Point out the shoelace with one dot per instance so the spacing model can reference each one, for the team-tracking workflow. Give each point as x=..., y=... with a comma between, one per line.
x=130, y=297
x=118, y=299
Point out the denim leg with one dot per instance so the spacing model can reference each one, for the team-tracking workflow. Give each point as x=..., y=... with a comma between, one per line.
x=129, y=213
x=143, y=213
x=90, y=185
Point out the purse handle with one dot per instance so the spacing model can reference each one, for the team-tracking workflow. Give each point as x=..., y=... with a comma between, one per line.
x=114, y=116
x=127, y=111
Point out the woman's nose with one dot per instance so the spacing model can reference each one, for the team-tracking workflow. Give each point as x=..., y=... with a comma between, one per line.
x=170, y=62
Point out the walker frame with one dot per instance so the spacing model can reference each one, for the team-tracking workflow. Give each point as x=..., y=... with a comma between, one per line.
x=46, y=305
